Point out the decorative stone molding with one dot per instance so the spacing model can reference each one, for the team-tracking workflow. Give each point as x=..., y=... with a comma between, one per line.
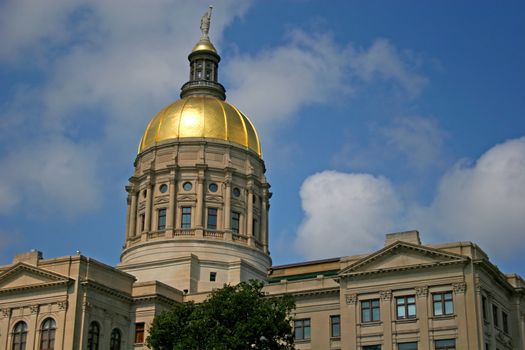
x=351, y=299
x=34, y=309
x=422, y=292
x=459, y=288
x=62, y=305
x=385, y=295
x=5, y=313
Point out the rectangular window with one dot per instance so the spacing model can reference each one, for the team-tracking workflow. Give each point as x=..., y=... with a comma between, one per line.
x=139, y=332
x=443, y=304
x=213, y=276
x=406, y=307
x=255, y=228
x=335, y=326
x=370, y=310
x=495, y=317
x=407, y=346
x=447, y=344
x=235, y=221
x=505, y=322
x=142, y=222
x=212, y=219
x=372, y=347
x=162, y=219
x=186, y=217
x=484, y=307
x=302, y=329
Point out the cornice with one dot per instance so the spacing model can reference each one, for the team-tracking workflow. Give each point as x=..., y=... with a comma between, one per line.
x=107, y=290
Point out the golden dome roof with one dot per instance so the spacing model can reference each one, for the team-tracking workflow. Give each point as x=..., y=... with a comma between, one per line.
x=201, y=116
x=204, y=45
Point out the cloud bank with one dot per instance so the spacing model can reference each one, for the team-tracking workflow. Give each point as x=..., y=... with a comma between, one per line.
x=483, y=202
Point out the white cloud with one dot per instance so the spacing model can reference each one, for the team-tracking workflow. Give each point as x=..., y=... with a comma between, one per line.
x=346, y=214
x=310, y=69
x=485, y=203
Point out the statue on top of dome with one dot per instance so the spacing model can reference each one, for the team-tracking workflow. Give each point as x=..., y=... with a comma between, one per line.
x=205, y=24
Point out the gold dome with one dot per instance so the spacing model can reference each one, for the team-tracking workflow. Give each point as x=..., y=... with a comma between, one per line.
x=204, y=45
x=201, y=116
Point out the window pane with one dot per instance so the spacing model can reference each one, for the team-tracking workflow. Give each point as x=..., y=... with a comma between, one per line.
x=375, y=314
x=411, y=310
x=375, y=303
x=438, y=310
x=407, y=346
x=411, y=299
x=400, y=312
x=365, y=304
x=366, y=315
x=449, y=308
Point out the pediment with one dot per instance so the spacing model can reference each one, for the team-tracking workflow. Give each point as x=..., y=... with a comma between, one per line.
x=401, y=256
x=23, y=276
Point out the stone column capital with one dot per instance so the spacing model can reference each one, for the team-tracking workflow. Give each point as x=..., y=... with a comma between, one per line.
x=385, y=295
x=351, y=299
x=459, y=288
x=422, y=292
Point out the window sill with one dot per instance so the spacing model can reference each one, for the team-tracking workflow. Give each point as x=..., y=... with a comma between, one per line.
x=299, y=341
x=371, y=324
x=407, y=320
x=444, y=317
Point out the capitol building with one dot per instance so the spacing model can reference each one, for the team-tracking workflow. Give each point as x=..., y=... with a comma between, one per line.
x=197, y=218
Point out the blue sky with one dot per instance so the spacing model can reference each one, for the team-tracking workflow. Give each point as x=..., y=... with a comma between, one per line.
x=375, y=117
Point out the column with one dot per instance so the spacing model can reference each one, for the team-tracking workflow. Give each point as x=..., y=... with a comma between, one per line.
x=264, y=220
x=32, y=326
x=5, y=316
x=227, y=206
x=200, y=205
x=423, y=315
x=147, y=218
x=133, y=214
x=249, y=215
x=128, y=211
x=170, y=219
x=385, y=297
x=460, y=308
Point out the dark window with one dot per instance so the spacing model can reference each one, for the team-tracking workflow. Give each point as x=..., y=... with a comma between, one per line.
x=255, y=228
x=187, y=186
x=235, y=221
x=20, y=336
x=93, y=336
x=236, y=192
x=335, y=326
x=213, y=276
x=116, y=338
x=212, y=218
x=47, y=334
x=142, y=222
x=406, y=307
x=407, y=346
x=370, y=310
x=213, y=187
x=484, y=307
x=186, y=217
x=372, y=347
x=302, y=329
x=447, y=344
x=495, y=316
x=443, y=304
x=162, y=219
x=139, y=333
x=505, y=322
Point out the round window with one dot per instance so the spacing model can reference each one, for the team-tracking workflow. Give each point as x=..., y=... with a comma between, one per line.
x=213, y=187
x=187, y=186
x=236, y=192
x=163, y=188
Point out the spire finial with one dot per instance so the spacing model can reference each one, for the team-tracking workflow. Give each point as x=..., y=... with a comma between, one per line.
x=205, y=24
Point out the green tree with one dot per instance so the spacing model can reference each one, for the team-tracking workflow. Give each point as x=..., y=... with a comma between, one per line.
x=236, y=317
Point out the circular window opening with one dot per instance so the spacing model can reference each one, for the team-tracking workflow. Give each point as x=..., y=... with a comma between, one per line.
x=187, y=186
x=163, y=188
x=236, y=192
x=213, y=187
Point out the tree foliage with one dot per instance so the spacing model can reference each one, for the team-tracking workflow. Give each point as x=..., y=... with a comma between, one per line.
x=236, y=317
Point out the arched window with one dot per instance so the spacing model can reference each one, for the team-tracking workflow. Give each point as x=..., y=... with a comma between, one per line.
x=93, y=336
x=47, y=334
x=20, y=336
x=115, y=340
